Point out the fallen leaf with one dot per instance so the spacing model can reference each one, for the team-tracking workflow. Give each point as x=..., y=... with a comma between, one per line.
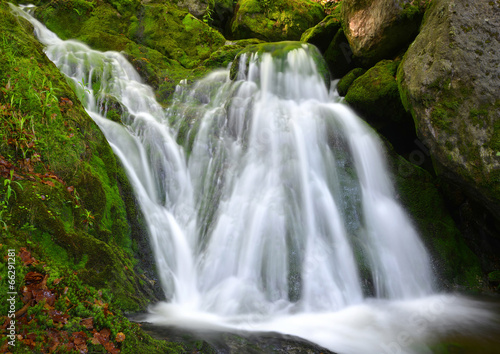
x=25, y=256
x=88, y=323
x=33, y=278
x=120, y=337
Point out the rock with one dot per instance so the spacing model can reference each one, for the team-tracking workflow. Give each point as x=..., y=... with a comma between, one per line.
x=206, y=341
x=197, y=8
x=216, y=13
x=455, y=264
x=281, y=49
x=449, y=80
x=375, y=95
x=346, y=82
x=164, y=44
x=86, y=228
x=277, y=20
x=322, y=34
x=379, y=29
x=338, y=56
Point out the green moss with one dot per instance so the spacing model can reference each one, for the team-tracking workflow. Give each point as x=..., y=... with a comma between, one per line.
x=375, y=94
x=164, y=43
x=68, y=205
x=346, y=82
x=454, y=262
x=275, y=20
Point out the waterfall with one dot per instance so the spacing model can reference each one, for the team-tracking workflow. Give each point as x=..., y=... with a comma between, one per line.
x=268, y=202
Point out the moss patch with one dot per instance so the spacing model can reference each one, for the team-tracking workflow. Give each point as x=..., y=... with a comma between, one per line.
x=61, y=172
x=453, y=261
x=274, y=20
x=375, y=94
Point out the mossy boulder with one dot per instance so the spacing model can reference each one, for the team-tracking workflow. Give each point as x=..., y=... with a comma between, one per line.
x=276, y=20
x=216, y=13
x=322, y=34
x=379, y=29
x=67, y=205
x=346, y=82
x=449, y=81
x=375, y=95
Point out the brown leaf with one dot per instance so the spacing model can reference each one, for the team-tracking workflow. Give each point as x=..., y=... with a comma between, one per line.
x=58, y=316
x=105, y=333
x=48, y=183
x=33, y=278
x=88, y=323
x=42, y=294
x=25, y=256
x=120, y=337
x=110, y=347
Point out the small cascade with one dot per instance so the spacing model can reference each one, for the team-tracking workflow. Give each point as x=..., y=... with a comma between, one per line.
x=268, y=203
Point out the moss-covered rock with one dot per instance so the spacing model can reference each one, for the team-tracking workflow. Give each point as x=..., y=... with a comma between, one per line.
x=375, y=95
x=216, y=13
x=449, y=81
x=164, y=43
x=67, y=206
x=281, y=50
x=346, y=82
x=274, y=20
x=322, y=34
x=379, y=29
x=453, y=261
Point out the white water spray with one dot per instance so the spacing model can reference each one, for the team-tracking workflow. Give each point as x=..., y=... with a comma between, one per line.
x=278, y=212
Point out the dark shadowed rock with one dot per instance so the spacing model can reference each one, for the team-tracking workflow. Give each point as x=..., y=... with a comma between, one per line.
x=322, y=34
x=205, y=341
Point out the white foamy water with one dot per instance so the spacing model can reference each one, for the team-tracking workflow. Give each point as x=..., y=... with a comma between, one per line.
x=277, y=213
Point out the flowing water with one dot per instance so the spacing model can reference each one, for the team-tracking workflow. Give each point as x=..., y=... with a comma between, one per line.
x=268, y=204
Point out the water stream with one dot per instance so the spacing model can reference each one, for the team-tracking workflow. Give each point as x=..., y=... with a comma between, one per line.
x=269, y=205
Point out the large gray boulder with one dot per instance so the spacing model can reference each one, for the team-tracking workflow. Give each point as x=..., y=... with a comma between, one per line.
x=449, y=80
x=379, y=29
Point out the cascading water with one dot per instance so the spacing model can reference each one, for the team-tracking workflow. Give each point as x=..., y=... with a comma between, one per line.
x=276, y=212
